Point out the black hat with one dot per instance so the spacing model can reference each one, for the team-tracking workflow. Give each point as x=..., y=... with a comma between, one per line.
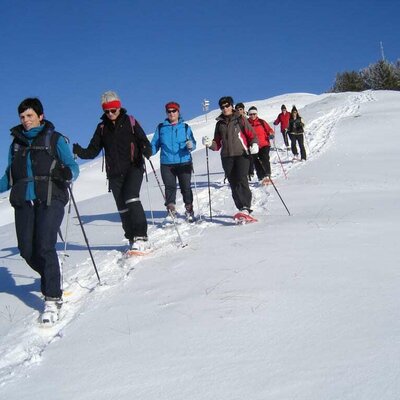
x=239, y=105
x=283, y=107
x=224, y=100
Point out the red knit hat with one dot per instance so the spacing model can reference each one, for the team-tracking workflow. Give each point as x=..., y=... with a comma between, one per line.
x=172, y=104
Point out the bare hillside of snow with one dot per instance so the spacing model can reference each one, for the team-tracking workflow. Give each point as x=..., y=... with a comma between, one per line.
x=293, y=307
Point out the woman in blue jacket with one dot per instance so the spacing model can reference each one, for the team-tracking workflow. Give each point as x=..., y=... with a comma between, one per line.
x=175, y=139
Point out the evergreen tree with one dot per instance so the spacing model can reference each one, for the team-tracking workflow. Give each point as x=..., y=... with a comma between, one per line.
x=348, y=82
x=381, y=76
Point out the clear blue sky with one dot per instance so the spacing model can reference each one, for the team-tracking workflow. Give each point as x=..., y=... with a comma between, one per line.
x=68, y=52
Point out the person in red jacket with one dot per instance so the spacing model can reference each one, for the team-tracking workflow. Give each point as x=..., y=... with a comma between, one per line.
x=283, y=119
x=264, y=134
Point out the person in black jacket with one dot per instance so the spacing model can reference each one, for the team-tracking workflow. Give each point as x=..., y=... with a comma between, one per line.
x=296, y=134
x=125, y=143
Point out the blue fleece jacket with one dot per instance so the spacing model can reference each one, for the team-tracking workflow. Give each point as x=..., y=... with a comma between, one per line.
x=171, y=139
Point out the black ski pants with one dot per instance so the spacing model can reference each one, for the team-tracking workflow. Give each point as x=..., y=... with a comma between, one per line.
x=236, y=169
x=126, y=190
x=299, y=138
x=182, y=172
x=37, y=225
x=262, y=163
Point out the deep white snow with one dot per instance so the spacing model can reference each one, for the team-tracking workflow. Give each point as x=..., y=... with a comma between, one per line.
x=293, y=307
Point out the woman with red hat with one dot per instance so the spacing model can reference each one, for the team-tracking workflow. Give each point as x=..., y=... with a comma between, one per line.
x=125, y=143
x=175, y=140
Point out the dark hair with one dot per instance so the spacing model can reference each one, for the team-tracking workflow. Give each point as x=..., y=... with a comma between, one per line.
x=224, y=100
x=31, y=102
x=294, y=109
x=239, y=105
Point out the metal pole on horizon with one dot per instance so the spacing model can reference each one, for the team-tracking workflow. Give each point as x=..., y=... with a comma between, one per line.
x=206, y=105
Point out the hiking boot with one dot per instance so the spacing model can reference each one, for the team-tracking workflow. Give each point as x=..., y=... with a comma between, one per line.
x=139, y=243
x=51, y=312
x=189, y=213
x=171, y=210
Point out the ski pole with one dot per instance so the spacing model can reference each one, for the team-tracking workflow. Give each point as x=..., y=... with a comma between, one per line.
x=279, y=158
x=148, y=193
x=169, y=211
x=83, y=231
x=273, y=184
x=195, y=185
x=208, y=179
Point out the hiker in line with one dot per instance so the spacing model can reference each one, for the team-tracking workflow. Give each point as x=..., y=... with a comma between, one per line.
x=175, y=140
x=283, y=120
x=242, y=110
x=296, y=134
x=40, y=166
x=125, y=143
x=237, y=140
x=264, y=134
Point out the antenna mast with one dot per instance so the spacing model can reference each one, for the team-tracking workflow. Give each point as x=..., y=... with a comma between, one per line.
x=382, y=53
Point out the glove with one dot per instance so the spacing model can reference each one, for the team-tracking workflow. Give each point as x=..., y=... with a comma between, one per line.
x=61, y=173
x=189, y=145
x=147, y=151
x=254, y=148
x=272, y=137
x=207, y=141
x=76, y=149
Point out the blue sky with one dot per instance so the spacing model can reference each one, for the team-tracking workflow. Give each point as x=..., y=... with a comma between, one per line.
x=69, y=52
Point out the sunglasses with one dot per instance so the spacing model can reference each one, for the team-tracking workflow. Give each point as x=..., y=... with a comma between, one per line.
x=111, y=111
x=172, y=111
x=253, y=114
x=225, y=106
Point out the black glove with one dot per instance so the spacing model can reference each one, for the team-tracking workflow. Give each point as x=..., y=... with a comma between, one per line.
x=76, y=149
x=147, y=151
x=61, y=173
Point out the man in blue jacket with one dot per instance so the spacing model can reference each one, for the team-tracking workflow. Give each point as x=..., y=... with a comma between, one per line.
x=40, y=166
x=176, y=141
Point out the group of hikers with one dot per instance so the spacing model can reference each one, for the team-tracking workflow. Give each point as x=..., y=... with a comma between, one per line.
x=41, y=167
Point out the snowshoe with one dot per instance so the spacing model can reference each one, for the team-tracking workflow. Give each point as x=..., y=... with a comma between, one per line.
x=243, y=217
x=139, y=246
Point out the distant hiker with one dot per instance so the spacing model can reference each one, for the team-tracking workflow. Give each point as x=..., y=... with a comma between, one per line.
x=40, y=166
x=241, y=109
x=176, y=141
x=235, y=138
x=264, y=134
x=283, y=119
x=296, y=134
x=125, y=144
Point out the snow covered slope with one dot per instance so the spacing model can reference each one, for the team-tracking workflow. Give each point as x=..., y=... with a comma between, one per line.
x=294, y=307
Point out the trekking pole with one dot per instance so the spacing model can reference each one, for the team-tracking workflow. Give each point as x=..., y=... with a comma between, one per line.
x=195, y=185
x=273, y=184
x=83, y=231
x=169, y=211
x=279, y=158
x=208, y=179
x=148, y=193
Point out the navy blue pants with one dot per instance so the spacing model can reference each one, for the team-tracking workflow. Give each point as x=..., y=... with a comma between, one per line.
x=36, y=227
x=126, y=190
x=182, y=172
x=236, y=169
